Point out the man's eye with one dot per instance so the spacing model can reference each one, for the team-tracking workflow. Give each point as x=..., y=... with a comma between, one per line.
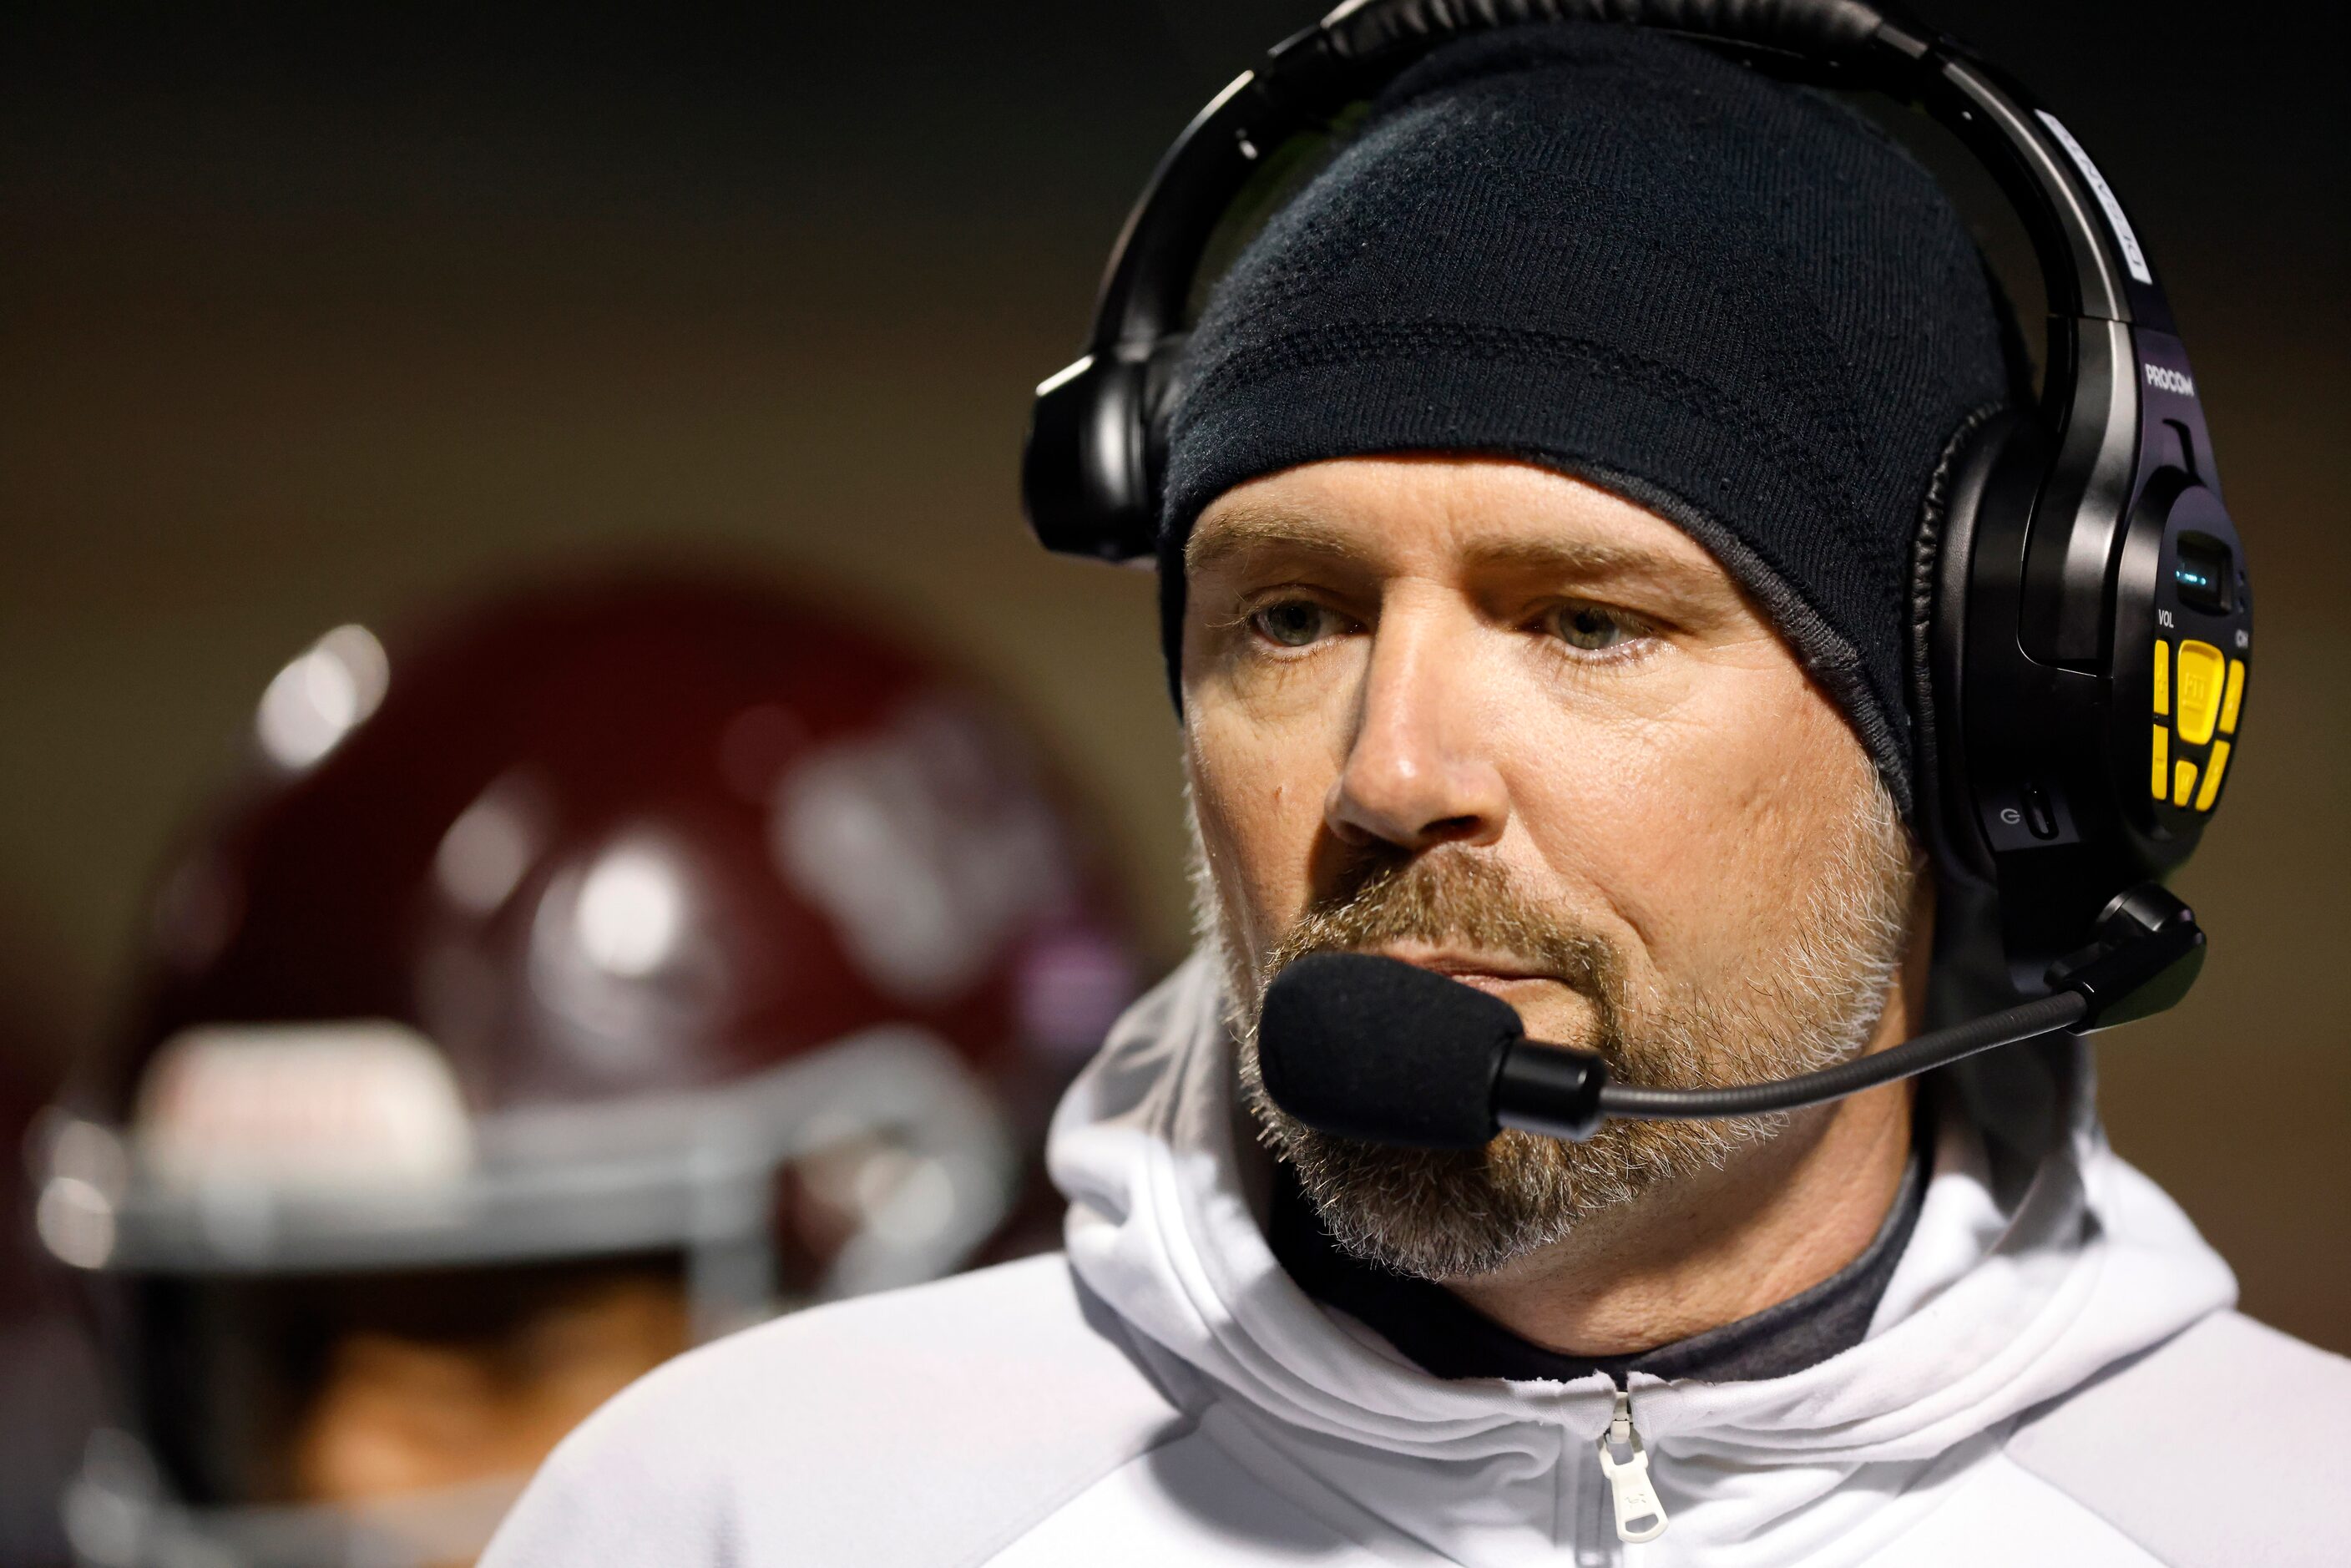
x=1295, y=622
x=1595, y=627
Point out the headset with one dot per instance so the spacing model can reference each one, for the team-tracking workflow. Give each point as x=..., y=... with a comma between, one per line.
x=2083, y=623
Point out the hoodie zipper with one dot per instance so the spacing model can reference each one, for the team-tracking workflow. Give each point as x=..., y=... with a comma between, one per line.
x=1639, y=1515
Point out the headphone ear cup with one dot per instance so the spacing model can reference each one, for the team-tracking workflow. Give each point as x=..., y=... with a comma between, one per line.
x=1085, y=477
x=1991, y=443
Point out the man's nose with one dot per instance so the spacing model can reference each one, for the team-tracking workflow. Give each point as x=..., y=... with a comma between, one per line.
x=1419, y=771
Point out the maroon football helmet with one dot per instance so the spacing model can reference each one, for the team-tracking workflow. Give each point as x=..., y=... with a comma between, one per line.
x=643, y=920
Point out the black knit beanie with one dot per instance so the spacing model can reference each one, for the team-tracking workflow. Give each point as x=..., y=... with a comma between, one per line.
x=1612, y=253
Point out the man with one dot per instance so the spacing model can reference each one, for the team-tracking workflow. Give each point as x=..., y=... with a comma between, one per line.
x=1541, y=491
x=616, y=965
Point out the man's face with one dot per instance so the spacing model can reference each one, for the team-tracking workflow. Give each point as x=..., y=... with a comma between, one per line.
x=442, y=1379
x=408, y=1403
x=1484, y=717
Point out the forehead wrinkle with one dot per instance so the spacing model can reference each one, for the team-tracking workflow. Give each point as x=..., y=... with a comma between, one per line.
x=1574, y=557
x=1245, y=527
x=1692, y=580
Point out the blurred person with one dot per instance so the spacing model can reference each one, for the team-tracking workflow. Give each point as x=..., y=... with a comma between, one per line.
x=611, y=966
x=1564, y=504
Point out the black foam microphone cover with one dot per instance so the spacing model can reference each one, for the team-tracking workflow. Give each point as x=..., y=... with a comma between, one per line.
x=1381, y=1050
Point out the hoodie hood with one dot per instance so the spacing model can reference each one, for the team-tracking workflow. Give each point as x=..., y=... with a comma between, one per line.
x=2039, y=1259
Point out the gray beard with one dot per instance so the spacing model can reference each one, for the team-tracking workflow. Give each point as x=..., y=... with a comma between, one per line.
x=1457, y=1214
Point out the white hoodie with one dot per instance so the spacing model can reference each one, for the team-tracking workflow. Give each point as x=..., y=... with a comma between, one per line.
x=2053, y=1376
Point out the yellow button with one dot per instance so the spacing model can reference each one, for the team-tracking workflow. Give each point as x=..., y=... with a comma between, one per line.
x=2162, y=678
x=2161, y=783
x=2236, y=694
x=2183, y=781
x=2205, y=797
x=2202, y=670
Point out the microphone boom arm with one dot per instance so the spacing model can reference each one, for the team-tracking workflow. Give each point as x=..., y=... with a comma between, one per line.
x=1938, y=1048
x=2148, y=953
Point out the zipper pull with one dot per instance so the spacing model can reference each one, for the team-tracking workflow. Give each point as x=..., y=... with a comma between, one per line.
x=1639, y=1515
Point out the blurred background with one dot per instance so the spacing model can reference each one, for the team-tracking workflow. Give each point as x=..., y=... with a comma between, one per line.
x=315, y=316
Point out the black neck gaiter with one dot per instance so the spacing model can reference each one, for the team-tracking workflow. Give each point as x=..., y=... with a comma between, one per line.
x=1448, y=1338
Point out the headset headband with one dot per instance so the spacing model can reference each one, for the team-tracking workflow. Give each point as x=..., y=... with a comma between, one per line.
x=2094, y=271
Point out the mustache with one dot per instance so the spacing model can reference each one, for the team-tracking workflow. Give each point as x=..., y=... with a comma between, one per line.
x=1450, y=898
